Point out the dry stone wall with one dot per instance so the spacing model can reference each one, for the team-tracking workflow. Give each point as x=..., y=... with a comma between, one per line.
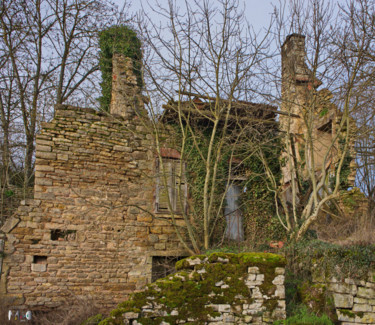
x=247, y=288
x=354, y=299
x=87, y=231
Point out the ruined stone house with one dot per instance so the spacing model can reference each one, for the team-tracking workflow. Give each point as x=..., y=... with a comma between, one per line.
x=88, y=232
x=300, y=90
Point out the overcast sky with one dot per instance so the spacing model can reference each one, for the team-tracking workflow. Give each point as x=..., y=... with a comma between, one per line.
x=258, y=12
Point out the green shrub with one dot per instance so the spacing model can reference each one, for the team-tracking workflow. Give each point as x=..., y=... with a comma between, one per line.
x=329, y=259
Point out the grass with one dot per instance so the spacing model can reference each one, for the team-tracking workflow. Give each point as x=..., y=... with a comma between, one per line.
x=302, y=316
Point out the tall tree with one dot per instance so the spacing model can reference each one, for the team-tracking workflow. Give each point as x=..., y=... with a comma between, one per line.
x=200, y=64
x=319, y=157
x=49, y=55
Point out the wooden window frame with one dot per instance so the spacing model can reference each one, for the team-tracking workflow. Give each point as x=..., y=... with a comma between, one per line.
x=172, y=164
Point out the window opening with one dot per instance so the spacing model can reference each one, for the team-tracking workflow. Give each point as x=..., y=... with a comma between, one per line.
x=163, y=266
x=37, y=259
x=233, y=214
x=171, y=184
x=63, y=235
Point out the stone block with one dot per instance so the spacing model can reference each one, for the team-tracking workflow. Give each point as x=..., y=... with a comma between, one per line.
x=40, y=147
x=44, y=196
x=168, y=230
x=45, y=155
x=152, y=238
x=159, y=246
x=280, y=291
x=194, y=261
x=361, y=300
x=361, y=307
x=44, y=168
x=343, y=288
x=9, y=224
x=253, y=269
x=279, y=280
x=43, y=181
x=39, y=174
x=368, y=318
x=63, y=157
x=368, y=293
x=256, y=294
x=156, y=230
x=38, y=268
x=224, y=308
x=281, y=304
x=144, y=218
x=343, y=300
x=130, y=315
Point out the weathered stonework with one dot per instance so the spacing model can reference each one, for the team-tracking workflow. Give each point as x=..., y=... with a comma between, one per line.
x=247, y=288
x=302, y=100
x=354, y=300
x=87, y=231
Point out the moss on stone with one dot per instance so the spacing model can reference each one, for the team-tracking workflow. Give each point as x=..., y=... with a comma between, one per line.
x=271, y=305
x=351, y=314
x=184, y=263
x=318, y=300
x=266, y=259
x=192, y=293
x=346, y=312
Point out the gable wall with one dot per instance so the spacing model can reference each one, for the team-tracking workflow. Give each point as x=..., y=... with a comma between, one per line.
x=93, y=171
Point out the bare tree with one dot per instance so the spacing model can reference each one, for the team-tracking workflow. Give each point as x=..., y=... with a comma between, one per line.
x=200, y=65
x=319, y=143
x=362, y=28
x=48, y=55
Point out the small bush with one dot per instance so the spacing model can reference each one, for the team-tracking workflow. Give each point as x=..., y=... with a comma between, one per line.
x=339, y=261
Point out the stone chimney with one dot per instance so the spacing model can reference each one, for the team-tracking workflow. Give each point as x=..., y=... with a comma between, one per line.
x=293, y=57
x=126, y=97
x=294, y=81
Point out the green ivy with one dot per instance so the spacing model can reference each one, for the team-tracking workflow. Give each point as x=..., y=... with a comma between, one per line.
x=8, y=193
x=196, y=173
x=345, y=170
x=257, y=201
x=121, y=40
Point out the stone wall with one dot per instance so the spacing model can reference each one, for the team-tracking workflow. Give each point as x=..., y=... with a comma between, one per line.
x=87, y=232
x=247, y=288
x=353, y=299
